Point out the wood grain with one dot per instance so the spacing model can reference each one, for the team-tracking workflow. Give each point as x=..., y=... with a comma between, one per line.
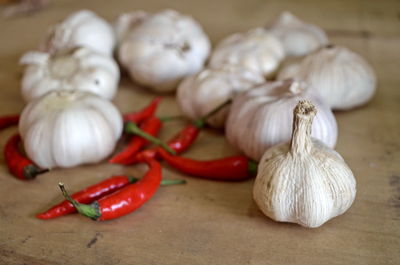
x=207, y=222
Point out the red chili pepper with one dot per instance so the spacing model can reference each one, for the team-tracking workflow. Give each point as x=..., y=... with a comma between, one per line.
x=179, y=143
x=151, y=126
x=184, y=139
x=232, y=168
x=20, y=166
x=146, y=112
x=7, y=121
x=123, y=201
x=95, y=192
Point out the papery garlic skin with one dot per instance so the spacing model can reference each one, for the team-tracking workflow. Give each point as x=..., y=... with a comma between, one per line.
x=303, y=181
x=288, y=69
x=75, y=69
x=82, y=28
x=69, y=128
x=257, y=50
x=297, y=37
x=343, y=78
x=162, y=49
x=261, y=117
x=199, y=94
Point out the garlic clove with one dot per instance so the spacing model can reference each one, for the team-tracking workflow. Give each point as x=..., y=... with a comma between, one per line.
x=257, y=50
x=77, y=68
x=164, y=48
x=297, y=37
x=342, y=78
x=260, y=118
x=67, y=128
x=198, y=94
x=127, y=21
x=303, y=181
x=82, y=28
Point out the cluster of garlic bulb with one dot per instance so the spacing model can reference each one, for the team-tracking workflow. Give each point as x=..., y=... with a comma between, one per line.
x=303, y=181
x=197, y=95
x=259, y=50
x=342, y=77
x=159, y=50
x=69, y=119
x=260, y=117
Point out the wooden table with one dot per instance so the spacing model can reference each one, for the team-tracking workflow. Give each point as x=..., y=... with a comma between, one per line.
x=207, y=222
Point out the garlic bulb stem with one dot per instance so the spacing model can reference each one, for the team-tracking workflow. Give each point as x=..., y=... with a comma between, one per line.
x=303, y=117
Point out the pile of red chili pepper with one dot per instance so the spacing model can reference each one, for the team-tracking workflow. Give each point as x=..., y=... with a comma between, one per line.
x=120, y=195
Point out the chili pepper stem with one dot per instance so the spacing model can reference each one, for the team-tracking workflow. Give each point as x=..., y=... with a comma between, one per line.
x=252, y=167
x=132, y=128
x=164, y=182
x=201, y=122
x=91, y=211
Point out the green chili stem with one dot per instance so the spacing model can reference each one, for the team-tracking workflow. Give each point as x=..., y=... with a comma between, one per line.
x=134, y=129
x=201, y=122
x=252, y=167
x=164, y=182
x=84, y=209
x=170, y=118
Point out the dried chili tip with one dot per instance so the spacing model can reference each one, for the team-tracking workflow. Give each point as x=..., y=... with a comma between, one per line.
x=31, y=171
x=19, y=165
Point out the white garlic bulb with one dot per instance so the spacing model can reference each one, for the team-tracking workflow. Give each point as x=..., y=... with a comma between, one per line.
x=67, y=128
x=162, y=49
x=298, y=37
x=82, y=28
x=261, y=117
x=343, y=78
x=257, y=50
x=75, y=69
x=303, y=181
x=199, y=94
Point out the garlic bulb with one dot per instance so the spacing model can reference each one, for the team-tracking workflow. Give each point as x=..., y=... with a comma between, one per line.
x=77, y=68
x=67, y=128
x=82, y=28
x=162, y=49
x=298, y=37
x=342, y=78
x=257, y=50
x=260, y=117
x=303, y=181
x=199, y=94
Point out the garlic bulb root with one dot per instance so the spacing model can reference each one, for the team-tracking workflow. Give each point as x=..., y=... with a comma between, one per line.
x=303, y=181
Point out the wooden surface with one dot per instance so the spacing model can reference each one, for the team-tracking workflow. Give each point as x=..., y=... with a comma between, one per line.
x=207, y=222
